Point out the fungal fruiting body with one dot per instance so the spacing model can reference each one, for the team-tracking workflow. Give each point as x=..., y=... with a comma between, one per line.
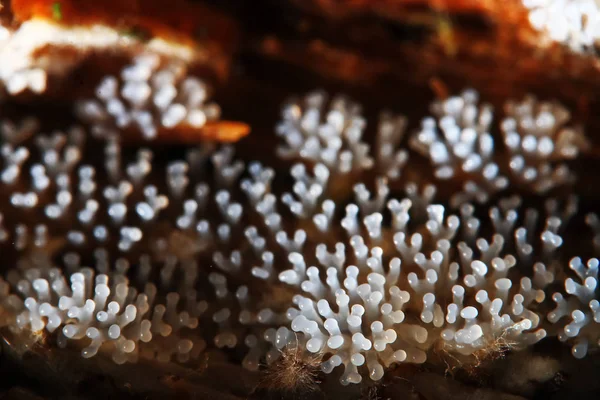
x=575, y=23
x=579, y=307
x=458, y=142
x=208, y=251
x=333, y=135
x=148, y=96
x=389, y=294
x=103, y=310
x=537, y=144
x=157, y=99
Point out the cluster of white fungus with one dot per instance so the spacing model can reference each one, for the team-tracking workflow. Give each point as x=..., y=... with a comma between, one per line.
x=577, y=312
x=458, y=142
x=21, y=71
x=388, y=293
x=333, y=134
x=575, y=23
x=537, y=142
x=108, y=211
x=229, y=261
x=149, y=96
x=102, y=311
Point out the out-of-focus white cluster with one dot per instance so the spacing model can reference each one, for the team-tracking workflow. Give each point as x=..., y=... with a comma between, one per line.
x=333, y=134
x=38, y=49
x=459, y=144
x=150, y=95
x=538, y=142
x=27, y=177
x=577, y=312
x=575, y=23
x=20, y=71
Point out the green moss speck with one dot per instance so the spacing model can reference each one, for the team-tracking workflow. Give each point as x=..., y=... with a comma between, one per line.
x=57, y=11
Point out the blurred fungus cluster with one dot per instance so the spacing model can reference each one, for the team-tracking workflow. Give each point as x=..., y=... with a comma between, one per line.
x=424, y=225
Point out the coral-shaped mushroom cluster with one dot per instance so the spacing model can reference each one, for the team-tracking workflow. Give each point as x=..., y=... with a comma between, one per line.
x=537, y=145
x=334, y=255
x=575, y=23
x=150, y=95
x=332, y=134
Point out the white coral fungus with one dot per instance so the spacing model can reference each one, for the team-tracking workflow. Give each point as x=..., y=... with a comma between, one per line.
x=230, y=261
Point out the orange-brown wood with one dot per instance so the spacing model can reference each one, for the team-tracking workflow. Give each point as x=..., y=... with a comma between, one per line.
x=218, y=131
x=182, y=21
